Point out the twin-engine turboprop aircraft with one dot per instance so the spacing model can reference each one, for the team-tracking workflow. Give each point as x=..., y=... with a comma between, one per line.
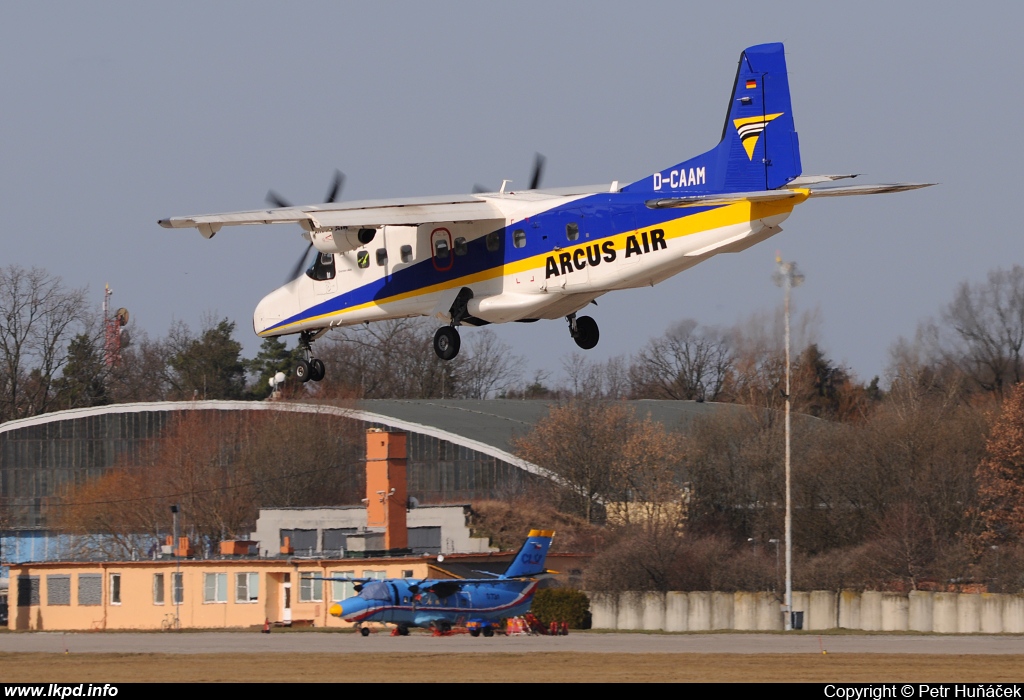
x=440, y=604
x=522, y=256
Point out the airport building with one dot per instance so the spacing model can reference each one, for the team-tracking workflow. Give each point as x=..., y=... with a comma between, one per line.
x=248, y=585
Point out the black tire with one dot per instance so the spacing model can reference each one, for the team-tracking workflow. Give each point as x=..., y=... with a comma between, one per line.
x=587, y=333
x=447, y=342
x=403, y=631
x=474, y=633
x=317, y=370
x=302, y=371
x=365, y=631
x=488, y=631
x=444, y=626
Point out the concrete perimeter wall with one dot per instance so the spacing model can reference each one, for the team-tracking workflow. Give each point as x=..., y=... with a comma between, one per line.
x=918, y=611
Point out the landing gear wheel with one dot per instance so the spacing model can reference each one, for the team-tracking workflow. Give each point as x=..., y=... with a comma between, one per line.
x=303, y=372
x=403, y=631
x=444, y=627
x=317, y=370
x=365, y=631
x=488, y=631
x=474, y=633
x=587, y=333
x=447, y=342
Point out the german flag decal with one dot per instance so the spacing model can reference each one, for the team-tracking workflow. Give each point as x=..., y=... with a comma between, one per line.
x=751, y=84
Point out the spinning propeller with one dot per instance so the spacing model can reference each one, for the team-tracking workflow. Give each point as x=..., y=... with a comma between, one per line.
x=279, y=202
x=538, y=172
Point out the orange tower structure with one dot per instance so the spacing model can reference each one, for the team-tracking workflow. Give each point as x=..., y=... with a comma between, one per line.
x=386, y=493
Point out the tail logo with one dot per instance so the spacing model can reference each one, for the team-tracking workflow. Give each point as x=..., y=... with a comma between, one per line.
x=749, y=130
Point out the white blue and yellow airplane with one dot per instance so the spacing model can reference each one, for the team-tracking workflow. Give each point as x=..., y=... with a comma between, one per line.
x=514, y=255
x=441, y=604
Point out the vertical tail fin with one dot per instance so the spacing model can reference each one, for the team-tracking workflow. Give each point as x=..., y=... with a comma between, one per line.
x=532, y=555
x=759, y=148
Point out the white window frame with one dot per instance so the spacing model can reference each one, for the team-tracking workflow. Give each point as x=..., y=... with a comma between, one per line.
x=311, y=590
x=340, y=590
x=218, y=592
x=177, y=588
x=247, y=587
x=375, y=574
x=115, y=589
x=159, y=589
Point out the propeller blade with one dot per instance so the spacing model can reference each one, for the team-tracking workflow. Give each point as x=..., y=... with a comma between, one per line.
x=332, y=194
x=538, y=171
x=276, y=200
x=301, y=264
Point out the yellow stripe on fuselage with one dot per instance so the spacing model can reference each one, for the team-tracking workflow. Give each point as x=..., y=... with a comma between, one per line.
x=674, y=228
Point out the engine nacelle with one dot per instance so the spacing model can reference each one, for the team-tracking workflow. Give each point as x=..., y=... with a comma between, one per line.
x=340, y=239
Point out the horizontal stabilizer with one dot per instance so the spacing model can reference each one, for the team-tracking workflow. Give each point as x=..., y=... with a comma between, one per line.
x=850, y=190
x=805, y=180
x=714, y=200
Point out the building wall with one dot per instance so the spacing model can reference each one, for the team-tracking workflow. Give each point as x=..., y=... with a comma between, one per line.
x=57, y=605
x=455, y=534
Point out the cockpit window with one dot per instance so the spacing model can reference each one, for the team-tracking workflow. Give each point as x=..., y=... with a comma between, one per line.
x=322, y=268
x=375, y=590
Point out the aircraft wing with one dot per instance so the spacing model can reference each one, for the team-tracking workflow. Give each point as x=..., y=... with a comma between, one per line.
x=369, y=214
x=710, y=200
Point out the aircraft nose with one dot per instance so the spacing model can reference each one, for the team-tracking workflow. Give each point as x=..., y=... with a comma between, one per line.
x=273, y=308
x=348, y=609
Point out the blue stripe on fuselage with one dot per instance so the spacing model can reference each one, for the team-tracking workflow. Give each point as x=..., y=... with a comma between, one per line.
x=600, y=216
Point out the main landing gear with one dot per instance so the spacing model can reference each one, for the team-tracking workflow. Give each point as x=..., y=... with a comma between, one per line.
x=583, y=330
x=447, y=341
x=310, y=367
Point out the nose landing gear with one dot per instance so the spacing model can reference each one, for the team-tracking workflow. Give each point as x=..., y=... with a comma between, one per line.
x=310, y=367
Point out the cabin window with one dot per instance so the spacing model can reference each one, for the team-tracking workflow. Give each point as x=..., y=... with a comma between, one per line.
x=215, y=588
x=375, y=590
x=406, y=253
x=519, y=238
x=247, y=587
x=441, y=248
x=572, y=231
x=494, y=241
x=322, y=268
x=311, y=590
x=382, y=256
x=461, y=247
x=158, y=589
x=115, y=589
x=363, y=259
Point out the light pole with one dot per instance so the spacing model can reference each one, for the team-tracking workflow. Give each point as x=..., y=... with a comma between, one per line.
x=177, y=567
x=775, y=541
x=787, y=277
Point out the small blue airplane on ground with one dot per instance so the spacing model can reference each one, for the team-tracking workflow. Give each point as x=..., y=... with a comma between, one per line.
x=440, y=604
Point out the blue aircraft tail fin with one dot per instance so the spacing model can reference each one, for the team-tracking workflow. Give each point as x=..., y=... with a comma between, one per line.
x=759, y=148
x=530, y=559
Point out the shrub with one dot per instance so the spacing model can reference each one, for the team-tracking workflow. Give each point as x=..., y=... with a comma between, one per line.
x=562, y=604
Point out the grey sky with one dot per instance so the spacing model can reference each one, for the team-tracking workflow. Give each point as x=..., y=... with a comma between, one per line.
x=116, y=114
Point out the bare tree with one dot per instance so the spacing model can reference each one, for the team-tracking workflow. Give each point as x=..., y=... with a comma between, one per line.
x=38, y=318
x=687, y=362
x=487, y=366
x=982, y=330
